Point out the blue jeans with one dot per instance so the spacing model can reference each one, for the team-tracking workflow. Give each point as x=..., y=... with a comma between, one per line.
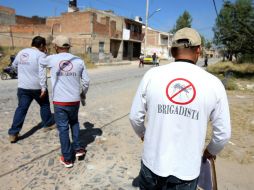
x=150, y=181
x=67, y=117
x=25, y=98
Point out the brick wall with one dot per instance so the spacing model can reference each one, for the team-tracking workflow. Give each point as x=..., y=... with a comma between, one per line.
x=7, y=10
x=4, y=28
x=152, y=38
x=29, y=20
x=76, y=22
x=7, y=15
x=21, y=34
x=52, y=20
x=101, y=29
x=31, y=29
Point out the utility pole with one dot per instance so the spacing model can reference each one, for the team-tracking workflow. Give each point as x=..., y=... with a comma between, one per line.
x=12, y=42
x=147, y=13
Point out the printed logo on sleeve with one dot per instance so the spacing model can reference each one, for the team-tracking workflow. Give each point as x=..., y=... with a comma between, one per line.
x=24, y=57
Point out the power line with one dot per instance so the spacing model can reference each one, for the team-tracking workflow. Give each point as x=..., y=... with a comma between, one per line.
x=214, y=4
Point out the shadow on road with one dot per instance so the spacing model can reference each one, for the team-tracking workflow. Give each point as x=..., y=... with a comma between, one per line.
x=31, y=131
x=88, y=135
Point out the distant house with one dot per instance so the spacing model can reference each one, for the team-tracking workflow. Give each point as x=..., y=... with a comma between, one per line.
x=158, y=42
x=104, y=35
x=211, y=52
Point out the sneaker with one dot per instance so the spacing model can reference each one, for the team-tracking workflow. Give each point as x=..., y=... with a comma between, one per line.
x=49, y=128
x=13, y=138
x=80, y=152
x=66, y=164
x=135, y=182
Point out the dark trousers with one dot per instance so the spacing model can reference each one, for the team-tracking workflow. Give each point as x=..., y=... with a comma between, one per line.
x=67, y=117
x=141, y=63
x=150, y=181
x=25, y=98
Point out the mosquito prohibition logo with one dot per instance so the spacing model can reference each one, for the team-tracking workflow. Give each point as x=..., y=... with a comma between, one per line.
x=65, y=69
x=65, y=66
x=180, y=91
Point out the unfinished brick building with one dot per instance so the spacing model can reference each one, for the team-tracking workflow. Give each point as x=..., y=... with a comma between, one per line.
x=103, y=35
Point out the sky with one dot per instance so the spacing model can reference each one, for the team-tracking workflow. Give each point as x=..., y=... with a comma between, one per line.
x=202, y=11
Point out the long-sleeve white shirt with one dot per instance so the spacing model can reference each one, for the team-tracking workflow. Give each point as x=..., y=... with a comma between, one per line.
x=177, y=100
x=66, y=71
x=29, y=70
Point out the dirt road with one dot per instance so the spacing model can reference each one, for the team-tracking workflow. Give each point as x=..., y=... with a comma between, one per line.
x=113, y=150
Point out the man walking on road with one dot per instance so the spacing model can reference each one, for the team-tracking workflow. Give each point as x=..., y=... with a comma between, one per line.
x=29, y=87
x=66, y=72
x=155, y=59
x=178, y=99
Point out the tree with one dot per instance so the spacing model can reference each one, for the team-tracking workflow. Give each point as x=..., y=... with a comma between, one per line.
x=234, y=29
x=183, y=21
x=208, y=44
x=205, y=44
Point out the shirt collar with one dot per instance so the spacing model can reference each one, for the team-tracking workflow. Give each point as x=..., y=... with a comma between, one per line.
x=184, y=60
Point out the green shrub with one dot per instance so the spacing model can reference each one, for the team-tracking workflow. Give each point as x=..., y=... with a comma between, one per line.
x=246, y=58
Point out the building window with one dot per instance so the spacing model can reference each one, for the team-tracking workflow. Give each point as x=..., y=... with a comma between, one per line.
x=89, y=50
x=101, y=47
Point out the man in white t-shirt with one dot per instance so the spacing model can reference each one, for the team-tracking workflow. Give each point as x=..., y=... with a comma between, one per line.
x=30, y=88
x=177, y=100
x=70, y=84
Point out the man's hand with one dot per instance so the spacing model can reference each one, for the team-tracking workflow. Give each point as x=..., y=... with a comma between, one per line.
x=142, y=138
x=82, y=95
x=43, y=93
x=208, y=155
x=83, y=98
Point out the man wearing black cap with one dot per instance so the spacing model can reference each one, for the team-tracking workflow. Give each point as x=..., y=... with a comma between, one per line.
x=177, y=101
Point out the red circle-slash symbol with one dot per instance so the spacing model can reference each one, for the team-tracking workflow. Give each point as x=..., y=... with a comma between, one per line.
x=65, y=66
x=180, y=91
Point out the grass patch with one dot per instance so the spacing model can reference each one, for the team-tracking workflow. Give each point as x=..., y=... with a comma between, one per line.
x=229, y=73
x=244, y=70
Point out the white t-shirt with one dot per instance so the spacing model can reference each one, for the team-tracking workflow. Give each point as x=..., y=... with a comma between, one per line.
x=68, y=75
x=177, y=100
x=29, y=71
